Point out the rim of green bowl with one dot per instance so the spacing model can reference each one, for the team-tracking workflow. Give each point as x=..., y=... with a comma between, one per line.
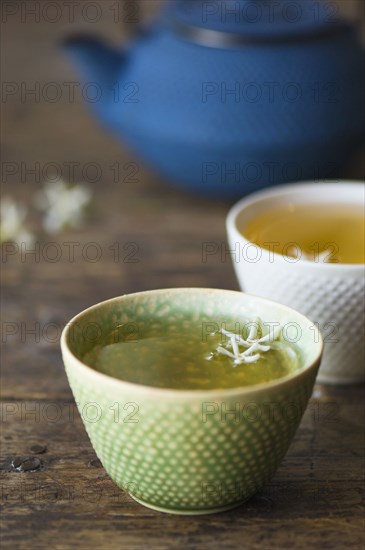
x=155, y=392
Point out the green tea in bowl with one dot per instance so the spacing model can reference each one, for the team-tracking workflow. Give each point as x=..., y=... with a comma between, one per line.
x=188, y=355
x=191, y=397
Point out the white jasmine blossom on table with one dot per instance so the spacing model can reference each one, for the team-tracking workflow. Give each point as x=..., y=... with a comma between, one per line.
x=12, y=223
x=63, y=206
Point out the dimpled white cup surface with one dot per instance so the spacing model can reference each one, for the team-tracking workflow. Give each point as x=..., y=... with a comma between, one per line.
x=331, y=295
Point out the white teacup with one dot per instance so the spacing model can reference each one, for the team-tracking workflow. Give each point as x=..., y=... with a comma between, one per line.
x=332, y=295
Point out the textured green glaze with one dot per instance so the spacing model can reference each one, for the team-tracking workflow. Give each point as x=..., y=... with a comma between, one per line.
x=188, y=451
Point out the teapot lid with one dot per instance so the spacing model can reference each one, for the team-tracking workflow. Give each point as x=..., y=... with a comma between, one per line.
x=251, y=20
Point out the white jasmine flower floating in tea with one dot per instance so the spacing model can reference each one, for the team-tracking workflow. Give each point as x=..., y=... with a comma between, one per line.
x=248, y=351
x=318, y=257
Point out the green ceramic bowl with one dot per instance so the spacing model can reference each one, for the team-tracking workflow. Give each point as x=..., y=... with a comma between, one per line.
x=188, y=451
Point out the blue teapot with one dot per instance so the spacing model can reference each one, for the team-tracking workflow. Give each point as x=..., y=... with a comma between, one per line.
x=227, y=97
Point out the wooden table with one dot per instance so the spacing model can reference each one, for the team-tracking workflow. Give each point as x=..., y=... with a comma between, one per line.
x=67, y=500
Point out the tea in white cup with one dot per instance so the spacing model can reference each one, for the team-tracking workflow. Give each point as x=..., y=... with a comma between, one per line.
x=308, y=242
x=332, y=233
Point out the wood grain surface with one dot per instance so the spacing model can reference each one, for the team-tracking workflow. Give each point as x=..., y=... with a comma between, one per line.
x=150, y=236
